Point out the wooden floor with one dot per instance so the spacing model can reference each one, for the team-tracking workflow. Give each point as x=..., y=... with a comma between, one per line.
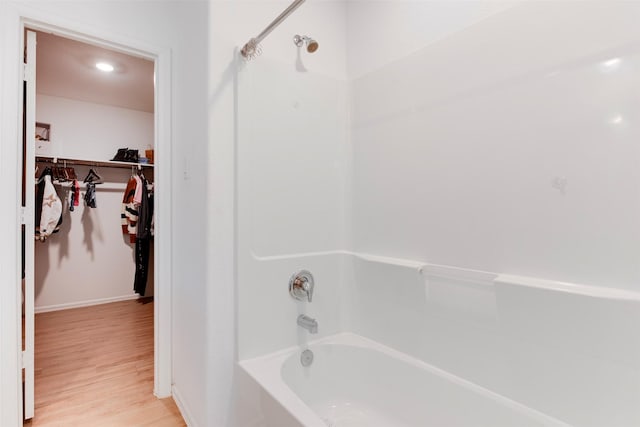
x=94, y=367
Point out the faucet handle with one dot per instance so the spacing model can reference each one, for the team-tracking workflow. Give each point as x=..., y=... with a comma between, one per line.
x=301, y=285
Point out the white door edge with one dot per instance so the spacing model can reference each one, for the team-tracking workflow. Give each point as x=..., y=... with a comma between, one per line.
x=29, y=164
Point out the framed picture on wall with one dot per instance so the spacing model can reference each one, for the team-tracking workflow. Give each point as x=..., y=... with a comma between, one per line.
x=43, y=139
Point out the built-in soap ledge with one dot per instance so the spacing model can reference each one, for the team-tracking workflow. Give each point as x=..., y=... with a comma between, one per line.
x=426, y=269
x=571, y=288
x=487, y=278
x=398, y=262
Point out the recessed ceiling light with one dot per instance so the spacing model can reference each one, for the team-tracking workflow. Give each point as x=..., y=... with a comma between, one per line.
x=612, y=63
x=103, y=66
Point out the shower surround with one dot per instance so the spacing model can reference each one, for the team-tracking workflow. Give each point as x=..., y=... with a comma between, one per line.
x=461, y=179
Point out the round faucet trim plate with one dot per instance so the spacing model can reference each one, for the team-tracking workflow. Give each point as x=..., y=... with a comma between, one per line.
x=301, y=286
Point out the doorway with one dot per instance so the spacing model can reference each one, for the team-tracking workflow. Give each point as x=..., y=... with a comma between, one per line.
x=81, y=161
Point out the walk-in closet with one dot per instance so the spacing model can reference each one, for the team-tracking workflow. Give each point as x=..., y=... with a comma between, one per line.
x=88, y=262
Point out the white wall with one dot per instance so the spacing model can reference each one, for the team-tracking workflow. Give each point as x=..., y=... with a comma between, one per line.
x=506, y=145
x=291, y=166
x=459, y=147
x=180, y=27
x=381, y=32
x=288, y=129
x=224, y=393
x=86, y=130
x=291, y=149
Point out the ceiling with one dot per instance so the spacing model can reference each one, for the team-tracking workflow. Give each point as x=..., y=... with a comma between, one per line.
x=67, y=68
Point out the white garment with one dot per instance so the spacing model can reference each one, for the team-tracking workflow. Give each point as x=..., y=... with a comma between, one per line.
x=51, y=209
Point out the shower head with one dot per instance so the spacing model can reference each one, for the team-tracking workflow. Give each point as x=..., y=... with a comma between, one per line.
x=312, y=45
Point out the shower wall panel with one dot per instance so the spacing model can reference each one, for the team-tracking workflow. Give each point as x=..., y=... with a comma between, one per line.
x=291, y=165
x=508, y=146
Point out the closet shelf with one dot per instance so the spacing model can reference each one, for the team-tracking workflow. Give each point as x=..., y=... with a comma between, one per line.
x=87, y=162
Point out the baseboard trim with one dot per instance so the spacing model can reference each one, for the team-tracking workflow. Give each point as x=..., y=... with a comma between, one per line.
x=78, y=304
x=182, y=407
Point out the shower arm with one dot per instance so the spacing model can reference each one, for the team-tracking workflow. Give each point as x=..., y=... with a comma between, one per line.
x=249, y=49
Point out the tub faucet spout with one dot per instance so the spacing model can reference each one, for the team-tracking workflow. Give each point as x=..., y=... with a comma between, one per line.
x=308, y=323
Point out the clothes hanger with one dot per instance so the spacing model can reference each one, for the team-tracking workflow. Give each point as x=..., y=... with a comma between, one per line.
x=71, y=173
x=45, y=172
x=60, y=174
x=93, y=177
x=68, y=172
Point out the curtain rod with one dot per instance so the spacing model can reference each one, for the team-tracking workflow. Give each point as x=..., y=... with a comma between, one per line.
x=251, y=49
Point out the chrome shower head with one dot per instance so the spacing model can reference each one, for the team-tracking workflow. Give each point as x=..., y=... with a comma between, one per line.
x=312, y=45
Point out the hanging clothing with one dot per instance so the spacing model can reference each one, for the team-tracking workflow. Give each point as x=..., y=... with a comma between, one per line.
x=153, y=224
x=137, y=197
x=143, y=239
x=75, y=195
x=90, y=195
x=142, y=266
x=129, y=210
x=145, y=212
x=48, y=208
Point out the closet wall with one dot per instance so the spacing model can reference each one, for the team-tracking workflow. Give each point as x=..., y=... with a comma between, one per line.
x=93, y=131
x=90, y=260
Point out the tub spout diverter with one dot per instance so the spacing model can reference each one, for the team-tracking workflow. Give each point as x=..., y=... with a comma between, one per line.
x=308, y=323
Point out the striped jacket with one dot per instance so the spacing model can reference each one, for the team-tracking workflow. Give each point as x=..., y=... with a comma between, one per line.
x=129, y=211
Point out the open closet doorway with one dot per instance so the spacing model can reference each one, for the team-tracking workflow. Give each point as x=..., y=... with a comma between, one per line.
x=92, y=332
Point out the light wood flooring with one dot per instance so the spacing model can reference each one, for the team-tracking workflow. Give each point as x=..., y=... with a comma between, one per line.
x=94, y=367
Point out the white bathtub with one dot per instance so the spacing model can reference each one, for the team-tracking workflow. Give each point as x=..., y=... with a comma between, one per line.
x=356, y=382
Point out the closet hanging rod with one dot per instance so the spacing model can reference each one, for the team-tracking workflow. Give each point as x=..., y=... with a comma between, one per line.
x=94, y=163
x=251, y=49
x=104, y=186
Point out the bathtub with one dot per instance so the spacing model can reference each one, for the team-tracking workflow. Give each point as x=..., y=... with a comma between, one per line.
x=356, y=382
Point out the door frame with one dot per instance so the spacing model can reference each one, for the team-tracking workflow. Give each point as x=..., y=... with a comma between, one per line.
x=13, y=21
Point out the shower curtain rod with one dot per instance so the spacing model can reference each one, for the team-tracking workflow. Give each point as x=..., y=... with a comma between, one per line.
x=252, y=49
